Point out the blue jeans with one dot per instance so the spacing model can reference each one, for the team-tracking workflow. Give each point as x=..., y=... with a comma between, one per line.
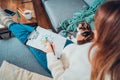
x=22, y=32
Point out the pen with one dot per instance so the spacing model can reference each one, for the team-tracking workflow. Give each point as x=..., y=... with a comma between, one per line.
x=52, y=48
x=20, y=11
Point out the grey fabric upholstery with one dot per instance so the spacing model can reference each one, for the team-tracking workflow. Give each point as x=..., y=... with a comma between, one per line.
x=59, y=10
x=89, y=2
x=16, y=53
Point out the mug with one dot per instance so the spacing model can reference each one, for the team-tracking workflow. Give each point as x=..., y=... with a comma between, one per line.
x=27, y=14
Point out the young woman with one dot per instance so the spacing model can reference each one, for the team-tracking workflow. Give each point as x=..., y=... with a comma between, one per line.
x=103, y=62
x=104, y=53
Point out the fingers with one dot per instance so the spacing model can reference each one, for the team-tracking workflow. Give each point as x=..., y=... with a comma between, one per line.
x=49, y=47
x=50, y=43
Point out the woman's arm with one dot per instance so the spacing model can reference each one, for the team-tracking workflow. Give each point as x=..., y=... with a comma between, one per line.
x=56, y=66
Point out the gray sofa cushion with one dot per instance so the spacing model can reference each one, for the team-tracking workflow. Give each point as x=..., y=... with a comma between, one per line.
x=16, y=53
x=89, y=2
x=59, y=10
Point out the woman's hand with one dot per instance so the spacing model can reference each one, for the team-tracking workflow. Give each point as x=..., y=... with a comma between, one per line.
x=49, y=48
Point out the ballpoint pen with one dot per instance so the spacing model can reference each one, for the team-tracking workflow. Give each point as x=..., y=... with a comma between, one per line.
x=52, y=48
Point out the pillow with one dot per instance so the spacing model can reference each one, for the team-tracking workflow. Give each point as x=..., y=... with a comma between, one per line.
x=11, y=72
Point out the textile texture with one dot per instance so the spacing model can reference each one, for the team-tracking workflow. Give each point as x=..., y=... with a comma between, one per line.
x=70, y=25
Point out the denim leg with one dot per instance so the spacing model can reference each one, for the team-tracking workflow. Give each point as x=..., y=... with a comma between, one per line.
x=22, y=32
x=41, y=57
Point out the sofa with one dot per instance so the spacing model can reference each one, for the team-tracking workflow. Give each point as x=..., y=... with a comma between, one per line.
x=59, y=10
x=13, y=51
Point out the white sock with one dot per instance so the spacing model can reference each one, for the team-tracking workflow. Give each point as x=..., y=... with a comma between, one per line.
x=5, y=18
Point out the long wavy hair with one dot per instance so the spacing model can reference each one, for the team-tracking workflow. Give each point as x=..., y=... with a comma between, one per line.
x=106, y=59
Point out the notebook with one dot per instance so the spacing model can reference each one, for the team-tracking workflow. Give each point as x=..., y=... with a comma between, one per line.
x=38, y=37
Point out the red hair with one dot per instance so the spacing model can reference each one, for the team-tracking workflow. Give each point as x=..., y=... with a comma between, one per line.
x=106, y=59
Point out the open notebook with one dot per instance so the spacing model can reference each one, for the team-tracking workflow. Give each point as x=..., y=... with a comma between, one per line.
x=38, y=37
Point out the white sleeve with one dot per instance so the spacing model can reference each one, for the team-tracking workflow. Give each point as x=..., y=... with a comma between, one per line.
x=56, y=66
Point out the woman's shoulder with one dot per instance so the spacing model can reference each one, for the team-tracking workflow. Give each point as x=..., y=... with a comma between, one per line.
x=76, y=45
x=73, y=47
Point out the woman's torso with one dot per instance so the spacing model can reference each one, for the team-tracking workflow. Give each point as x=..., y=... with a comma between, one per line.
x=75, y=60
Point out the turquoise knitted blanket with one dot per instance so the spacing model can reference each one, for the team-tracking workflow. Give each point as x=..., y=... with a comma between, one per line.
x=70, y=25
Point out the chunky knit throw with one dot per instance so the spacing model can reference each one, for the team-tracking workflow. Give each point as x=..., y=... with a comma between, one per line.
x=70, y=25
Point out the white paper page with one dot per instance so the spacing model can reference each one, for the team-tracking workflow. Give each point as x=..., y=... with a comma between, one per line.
x=38, y=37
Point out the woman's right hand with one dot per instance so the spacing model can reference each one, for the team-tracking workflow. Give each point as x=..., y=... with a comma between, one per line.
x=49, y=47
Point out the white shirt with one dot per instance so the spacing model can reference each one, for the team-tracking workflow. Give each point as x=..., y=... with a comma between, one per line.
x=73, y=65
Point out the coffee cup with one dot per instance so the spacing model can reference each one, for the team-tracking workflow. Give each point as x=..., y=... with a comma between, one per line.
x=27, y=14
